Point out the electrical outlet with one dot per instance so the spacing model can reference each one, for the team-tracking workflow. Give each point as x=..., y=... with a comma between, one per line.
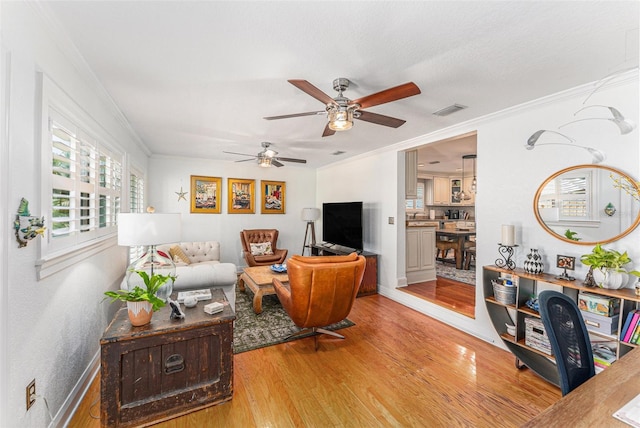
x=31, y=394
x=392, y=220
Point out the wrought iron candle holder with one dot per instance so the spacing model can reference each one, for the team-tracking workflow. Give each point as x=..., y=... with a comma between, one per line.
x=506, y=252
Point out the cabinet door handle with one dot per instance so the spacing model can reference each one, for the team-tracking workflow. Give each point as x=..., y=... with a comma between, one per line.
x=174, y=364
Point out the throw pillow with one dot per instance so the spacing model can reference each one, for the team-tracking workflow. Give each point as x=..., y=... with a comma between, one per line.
x=178, y=255
x=261, y=249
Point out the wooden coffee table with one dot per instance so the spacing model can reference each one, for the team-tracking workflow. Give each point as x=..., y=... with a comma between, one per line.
x=259, y=280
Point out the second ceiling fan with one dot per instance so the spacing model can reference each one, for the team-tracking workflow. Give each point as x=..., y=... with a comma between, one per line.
x=341, y=110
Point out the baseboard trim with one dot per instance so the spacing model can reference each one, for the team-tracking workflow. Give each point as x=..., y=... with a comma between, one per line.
x=70, y=405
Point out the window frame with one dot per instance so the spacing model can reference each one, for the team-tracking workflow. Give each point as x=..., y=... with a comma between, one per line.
x=56, y=255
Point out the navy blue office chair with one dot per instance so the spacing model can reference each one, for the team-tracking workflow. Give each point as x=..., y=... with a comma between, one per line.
x=569, y=339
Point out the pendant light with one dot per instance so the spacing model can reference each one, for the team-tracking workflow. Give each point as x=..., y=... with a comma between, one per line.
x=474, y=182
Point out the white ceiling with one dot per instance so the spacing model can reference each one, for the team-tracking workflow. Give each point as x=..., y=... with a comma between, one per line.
x=196, y=78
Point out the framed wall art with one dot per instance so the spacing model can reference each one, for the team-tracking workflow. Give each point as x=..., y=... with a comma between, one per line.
x=241, y=196
x=206, y=193
x=272, y=197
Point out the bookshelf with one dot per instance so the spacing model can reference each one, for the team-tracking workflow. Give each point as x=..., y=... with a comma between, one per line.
x=528, y=285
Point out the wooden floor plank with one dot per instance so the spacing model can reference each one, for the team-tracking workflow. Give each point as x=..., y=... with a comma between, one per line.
x=395, y=368
x=454, y=295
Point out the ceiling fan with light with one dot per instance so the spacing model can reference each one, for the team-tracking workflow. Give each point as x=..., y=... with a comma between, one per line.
x=341, y=110
x=267, y=157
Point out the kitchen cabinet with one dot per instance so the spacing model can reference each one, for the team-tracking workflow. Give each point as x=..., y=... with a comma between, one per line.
x=455, y=189
x=420, y=254
x=457, y=185
x=441, y=190
x=467, y=189
x=411, y=174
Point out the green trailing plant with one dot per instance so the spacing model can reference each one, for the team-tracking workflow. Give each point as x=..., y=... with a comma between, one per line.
x=602, y=258
x=569, y=234
x=139, y=294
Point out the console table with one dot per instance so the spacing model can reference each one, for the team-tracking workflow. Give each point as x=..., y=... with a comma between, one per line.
x=369, y=280
x=166, y=368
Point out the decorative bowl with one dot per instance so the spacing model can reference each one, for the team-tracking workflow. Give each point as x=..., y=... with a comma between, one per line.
x=511, y=329
x=279, y=268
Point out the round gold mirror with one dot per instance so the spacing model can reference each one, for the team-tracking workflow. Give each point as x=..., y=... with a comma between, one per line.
x=588, y=204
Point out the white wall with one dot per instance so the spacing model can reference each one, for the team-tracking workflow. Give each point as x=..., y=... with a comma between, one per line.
x=52, y=327
x=167, y=175
x=508, y=177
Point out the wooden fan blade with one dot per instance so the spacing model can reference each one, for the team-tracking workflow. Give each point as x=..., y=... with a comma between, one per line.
x=286, y=116
x=241, y=154
x=245, y=160
x=291, y=160
x=276, y=163
x=388, y=95
x=380, y=119
x=328, y=131
x=316, y=93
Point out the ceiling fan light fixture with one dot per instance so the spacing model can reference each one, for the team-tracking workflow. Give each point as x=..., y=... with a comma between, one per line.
x=340, y=118
x=264, y=161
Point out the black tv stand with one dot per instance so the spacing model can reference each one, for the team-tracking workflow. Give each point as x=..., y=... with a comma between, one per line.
x=370, y=280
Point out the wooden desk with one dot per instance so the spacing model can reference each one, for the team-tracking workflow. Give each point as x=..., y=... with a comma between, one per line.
x=594, y=402
x=461, y=236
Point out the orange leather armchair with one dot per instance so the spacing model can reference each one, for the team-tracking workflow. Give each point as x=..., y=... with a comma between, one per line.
x=259, y=236
x=321, y=291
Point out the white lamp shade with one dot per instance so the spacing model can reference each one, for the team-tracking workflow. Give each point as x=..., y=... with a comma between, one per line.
x=310, y=214
x=148, y=229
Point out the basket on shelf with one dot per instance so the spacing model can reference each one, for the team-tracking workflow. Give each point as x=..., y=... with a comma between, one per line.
x=504, y=294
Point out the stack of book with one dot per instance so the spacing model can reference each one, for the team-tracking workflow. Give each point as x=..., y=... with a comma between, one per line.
x=631, y=331
x=603, y=357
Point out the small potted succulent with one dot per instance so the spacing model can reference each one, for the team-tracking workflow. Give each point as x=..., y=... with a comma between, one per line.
x=142, y=302
x=608, y=267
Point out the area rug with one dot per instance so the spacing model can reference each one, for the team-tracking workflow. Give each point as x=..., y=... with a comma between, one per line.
x=449, y=271
x=272, y=326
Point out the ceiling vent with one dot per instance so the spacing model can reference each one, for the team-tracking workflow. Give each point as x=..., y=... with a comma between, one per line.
x=449, y=110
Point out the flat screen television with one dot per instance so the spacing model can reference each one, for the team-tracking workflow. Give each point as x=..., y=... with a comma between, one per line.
x=342, y=224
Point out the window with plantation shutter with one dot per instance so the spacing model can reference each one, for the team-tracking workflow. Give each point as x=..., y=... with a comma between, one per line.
x=570, y=201
x=86, y=185
x=136, y=205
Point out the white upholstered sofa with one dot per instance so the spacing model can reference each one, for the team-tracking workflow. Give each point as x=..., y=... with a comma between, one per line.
x=202, y=268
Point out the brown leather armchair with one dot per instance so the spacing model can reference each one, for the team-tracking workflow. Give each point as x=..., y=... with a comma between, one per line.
x=321, y=291
x=259, y=236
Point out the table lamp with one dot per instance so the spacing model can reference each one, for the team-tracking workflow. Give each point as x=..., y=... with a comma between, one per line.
x=310, y=215
x=150, y=229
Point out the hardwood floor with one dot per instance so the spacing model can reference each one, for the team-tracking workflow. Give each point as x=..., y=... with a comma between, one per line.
x=396, y=368
x=454, y=295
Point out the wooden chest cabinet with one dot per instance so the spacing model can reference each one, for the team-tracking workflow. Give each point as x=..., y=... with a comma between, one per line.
x=166, y=368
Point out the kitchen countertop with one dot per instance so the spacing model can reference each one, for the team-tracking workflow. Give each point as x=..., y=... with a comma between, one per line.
x=423, y=223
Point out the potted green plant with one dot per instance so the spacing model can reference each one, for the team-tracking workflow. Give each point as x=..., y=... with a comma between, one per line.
x=608, y=267
x=142, y=302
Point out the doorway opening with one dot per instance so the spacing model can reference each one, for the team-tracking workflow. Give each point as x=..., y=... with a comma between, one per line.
x=445, y=201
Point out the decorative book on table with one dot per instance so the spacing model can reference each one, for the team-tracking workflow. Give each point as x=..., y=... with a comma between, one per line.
x=198, y=294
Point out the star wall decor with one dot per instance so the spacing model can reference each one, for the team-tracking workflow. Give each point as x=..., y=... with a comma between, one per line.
x=181, y=194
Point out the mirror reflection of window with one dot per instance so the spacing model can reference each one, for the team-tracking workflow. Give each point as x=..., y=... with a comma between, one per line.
x=571, y=204
x=569, y=198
